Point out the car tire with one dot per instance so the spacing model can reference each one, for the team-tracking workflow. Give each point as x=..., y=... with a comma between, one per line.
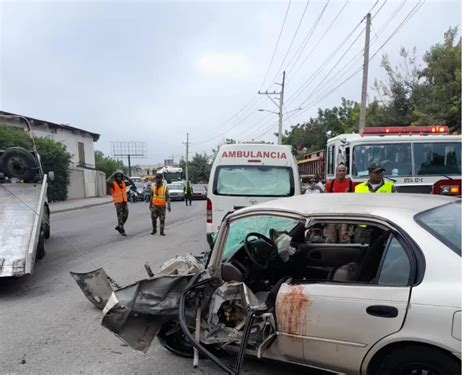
x=19, y=163
x=171, y=337
x=40, y=249
x=418, y=359
x=47, y=224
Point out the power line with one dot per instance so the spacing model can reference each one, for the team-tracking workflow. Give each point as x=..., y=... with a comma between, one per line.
x=266, y=130
x=303, y=45
x=319, y=40
x=276, y=45
x=402, y=23
x=306, y=84
x=413, y=11
x=234, y=117
x=332, y=69
x=233, y=126
x=292, y=41
x=333, y=54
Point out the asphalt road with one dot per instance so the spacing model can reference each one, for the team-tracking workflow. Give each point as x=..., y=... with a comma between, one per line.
x=48, y=327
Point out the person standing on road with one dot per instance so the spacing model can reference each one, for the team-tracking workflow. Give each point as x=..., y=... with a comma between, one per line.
x=188, y=193
x=376, y=183
x=341, y=184
x=118, y=187
x=160, y=198
x=316, y=186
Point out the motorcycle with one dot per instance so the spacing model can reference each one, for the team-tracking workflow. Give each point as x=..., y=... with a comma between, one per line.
x=132, y=195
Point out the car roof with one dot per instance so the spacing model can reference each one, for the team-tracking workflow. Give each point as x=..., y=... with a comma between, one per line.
x=384, y=205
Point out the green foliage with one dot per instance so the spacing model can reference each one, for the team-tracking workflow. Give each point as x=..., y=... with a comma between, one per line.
x=106, y=164
x=395, y=103
x=411, y=95
x=199, y=168
x=421, y=96
x=11, y=137
x=54, y=157
x=330, y=122
x=439, y=95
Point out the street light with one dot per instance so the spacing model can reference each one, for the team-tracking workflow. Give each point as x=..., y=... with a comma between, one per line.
x=266, y=110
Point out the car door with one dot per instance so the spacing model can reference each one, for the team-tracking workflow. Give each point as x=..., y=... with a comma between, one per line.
x=336, y=323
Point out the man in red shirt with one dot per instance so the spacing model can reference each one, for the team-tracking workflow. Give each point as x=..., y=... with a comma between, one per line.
x=340, y=184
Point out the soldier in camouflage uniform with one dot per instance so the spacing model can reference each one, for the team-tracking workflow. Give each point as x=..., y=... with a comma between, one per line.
x=117, y=186
x=159, y=200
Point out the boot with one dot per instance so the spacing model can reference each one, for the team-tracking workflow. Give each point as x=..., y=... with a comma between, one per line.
x=162, y=231
x=154, y=230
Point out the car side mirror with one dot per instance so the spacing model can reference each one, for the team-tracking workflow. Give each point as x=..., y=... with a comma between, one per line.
x=51, y=175
x=229, y=273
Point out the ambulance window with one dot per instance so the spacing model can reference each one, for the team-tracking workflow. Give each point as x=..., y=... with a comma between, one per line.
x=254, y=181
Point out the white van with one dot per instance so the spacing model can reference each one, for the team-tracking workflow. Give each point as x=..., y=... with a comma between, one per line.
x=245, y=174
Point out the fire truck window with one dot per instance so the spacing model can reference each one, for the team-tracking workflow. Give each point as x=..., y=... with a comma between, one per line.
x=438, y=158
x=395, y=157
x=330, y=161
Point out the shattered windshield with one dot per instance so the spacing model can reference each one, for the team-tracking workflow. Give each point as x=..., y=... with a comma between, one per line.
x=257, y=181
x=261, y=224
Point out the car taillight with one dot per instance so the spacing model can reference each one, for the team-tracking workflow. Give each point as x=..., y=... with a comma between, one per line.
x=209, y=211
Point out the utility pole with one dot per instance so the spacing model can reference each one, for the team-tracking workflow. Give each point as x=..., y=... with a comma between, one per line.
x=187, y=156
x=279, y=105
x=365, y=75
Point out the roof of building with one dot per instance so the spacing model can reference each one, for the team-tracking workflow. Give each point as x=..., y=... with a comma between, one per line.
x=35, y=121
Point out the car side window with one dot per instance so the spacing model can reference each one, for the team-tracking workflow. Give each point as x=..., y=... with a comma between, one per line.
x=395, y=268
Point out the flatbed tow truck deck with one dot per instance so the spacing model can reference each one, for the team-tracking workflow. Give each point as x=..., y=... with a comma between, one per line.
x=22, y=208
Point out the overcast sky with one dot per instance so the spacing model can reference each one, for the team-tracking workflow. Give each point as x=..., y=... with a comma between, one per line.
x=152, y=71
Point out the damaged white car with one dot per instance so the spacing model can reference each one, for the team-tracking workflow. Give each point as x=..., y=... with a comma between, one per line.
x=349, y=283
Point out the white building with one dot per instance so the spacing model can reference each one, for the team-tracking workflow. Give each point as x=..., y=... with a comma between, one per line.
x=85, y=181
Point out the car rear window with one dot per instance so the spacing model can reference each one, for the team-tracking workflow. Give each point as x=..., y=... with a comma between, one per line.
x=444, y=223
x=175, y=187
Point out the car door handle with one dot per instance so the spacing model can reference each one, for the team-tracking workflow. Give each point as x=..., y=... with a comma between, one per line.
x=382, y=311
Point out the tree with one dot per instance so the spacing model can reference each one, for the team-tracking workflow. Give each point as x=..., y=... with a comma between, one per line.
x=313, y=135
x=394, y=105
x=199, y=168
x=415, y=95
x=107, y=164
x=439, y=95
x=54, y=157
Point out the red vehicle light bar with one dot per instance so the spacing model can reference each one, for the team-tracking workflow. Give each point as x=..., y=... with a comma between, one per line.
x=381, y=130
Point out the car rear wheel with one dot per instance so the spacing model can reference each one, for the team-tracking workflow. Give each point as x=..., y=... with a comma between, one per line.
x=40, y=250
x=171, y=336
x=418, y=360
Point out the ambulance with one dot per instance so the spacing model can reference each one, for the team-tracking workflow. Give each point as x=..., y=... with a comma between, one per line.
x=245, y=174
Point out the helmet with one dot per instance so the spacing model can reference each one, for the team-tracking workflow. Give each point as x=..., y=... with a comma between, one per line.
x=118, y=171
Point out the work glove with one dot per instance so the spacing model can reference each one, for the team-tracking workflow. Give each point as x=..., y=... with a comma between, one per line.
x=169, y=208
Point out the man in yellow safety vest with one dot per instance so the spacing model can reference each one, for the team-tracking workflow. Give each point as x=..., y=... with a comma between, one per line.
x=159, y=200
x=376, y=183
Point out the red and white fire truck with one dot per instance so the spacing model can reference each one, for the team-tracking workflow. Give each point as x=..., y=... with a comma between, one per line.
x=420, y=159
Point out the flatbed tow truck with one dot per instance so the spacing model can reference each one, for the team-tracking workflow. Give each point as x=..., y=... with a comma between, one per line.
x=24, y=211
